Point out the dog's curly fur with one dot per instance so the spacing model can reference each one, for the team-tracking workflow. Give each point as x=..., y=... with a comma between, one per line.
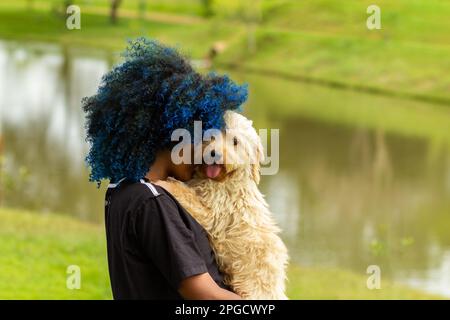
x=240, y=226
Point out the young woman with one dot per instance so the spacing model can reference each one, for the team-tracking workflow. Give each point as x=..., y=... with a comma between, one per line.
x=156, y=250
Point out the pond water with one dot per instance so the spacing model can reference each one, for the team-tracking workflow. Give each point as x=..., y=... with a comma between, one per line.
x=346, y=195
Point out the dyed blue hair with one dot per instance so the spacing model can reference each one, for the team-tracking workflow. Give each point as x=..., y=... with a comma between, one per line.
x=141, y=101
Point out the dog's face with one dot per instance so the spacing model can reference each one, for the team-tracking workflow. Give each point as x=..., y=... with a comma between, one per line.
x=237, y=151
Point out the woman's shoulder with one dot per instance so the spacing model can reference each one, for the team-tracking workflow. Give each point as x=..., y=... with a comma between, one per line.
x=131, y=195
x=162, y=191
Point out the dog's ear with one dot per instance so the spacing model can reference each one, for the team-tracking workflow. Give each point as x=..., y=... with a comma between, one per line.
x=256, y=163
x=256, y=175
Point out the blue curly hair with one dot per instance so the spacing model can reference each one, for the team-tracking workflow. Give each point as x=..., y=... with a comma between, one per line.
x=141, y=101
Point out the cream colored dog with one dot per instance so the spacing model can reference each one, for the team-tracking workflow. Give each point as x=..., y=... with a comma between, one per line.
x=224, y=198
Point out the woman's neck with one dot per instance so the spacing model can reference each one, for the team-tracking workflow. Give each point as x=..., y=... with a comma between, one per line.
x=160, y=168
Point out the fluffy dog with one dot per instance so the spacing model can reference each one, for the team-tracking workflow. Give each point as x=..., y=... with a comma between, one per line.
x=224, y=198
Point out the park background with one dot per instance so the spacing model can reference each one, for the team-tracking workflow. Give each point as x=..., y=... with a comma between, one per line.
x=364, y=119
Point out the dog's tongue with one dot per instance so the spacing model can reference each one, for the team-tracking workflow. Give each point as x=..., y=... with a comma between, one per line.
x=213, y=171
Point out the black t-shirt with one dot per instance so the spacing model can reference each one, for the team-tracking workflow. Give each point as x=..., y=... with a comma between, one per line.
x=153, y=243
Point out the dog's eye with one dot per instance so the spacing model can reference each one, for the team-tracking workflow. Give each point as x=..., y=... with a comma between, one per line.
x=235, y=141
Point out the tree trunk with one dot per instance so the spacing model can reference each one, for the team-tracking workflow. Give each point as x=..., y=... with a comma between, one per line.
x=208, y=8
x=114, y=7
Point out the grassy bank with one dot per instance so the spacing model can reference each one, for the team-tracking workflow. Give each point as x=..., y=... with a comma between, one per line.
x=319, y=40
x=36, y=251
x=97, y=32
x=37, y=248
x=378, y=112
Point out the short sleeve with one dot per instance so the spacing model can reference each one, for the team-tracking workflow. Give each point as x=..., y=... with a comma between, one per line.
x=167, y=241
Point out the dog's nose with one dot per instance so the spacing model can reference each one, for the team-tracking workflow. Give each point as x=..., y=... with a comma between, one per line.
x=215, y=155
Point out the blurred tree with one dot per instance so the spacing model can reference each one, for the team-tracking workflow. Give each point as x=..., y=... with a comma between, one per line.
x=208, y=9
x=142, y=7
x=60, y=7
x=114, y=8
x=251, y=13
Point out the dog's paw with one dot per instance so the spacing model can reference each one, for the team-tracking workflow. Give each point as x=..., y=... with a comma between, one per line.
x=167, y=185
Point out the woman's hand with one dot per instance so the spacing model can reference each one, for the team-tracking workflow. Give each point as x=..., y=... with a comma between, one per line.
x=203, y=287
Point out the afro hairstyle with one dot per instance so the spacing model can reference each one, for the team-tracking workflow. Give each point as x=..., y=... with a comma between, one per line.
x=141, y=101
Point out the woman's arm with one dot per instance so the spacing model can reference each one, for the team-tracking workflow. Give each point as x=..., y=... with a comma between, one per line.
x=200, y=286
x=203, y=287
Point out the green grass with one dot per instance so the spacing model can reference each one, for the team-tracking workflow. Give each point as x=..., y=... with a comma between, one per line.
x=97, y=32
x=184, y=7
x=36, y=250
x=363, y=62
x=401, y=20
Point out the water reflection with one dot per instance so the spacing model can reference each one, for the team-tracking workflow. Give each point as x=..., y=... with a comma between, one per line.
x=360, y=198
x=345, y=195
x=42, y=127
